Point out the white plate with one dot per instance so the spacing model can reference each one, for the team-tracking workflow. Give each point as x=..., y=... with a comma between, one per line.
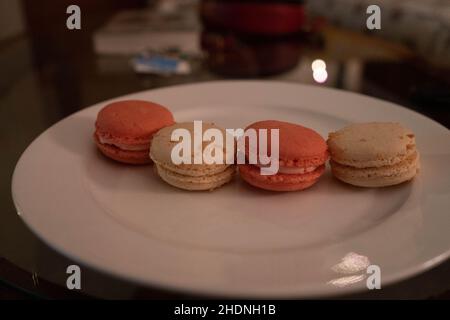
x=237, y=240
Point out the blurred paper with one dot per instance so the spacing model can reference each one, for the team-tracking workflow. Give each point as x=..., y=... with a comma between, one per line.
x=134, y=31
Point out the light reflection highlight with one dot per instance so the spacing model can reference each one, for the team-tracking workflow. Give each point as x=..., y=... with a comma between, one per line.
x=354, y=266
x=352, y=263
x=346, y=281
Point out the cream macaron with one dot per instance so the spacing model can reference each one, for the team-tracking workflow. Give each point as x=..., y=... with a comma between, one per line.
x=375, y=154
x=190, y=175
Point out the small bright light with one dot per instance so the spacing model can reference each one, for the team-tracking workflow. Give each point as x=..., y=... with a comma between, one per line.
x=318, y=64
x=320, y=75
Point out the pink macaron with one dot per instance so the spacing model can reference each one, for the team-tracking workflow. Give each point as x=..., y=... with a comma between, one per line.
x=124, y=129
x=302, y=157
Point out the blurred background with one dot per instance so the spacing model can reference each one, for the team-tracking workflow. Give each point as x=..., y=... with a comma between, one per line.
x=49, y=72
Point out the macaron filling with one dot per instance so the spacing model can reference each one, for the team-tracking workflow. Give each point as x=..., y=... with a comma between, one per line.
x=295, y=170
x=126, y=147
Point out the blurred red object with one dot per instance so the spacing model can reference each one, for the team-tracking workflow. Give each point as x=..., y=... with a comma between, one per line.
x=255, y=17
x=250, y=38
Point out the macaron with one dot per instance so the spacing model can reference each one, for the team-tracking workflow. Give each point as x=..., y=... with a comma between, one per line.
x=124, y=129
x=189, y=175
x=302, y=157
x=375, y=154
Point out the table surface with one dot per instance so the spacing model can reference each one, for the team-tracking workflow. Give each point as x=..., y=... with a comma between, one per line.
x=45, y=79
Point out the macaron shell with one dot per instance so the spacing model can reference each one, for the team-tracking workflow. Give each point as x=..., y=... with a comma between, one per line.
x=162, y=145
x=132, y=121
x=279, y=182
x=197, y=183
x=378, y=176
x=298, y=146
x=124, y=156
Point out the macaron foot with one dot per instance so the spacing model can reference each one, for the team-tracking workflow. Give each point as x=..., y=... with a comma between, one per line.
x=279, y=182
x=197, y=183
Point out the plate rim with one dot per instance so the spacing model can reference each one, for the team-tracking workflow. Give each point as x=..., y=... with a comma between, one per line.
x=394, y=278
